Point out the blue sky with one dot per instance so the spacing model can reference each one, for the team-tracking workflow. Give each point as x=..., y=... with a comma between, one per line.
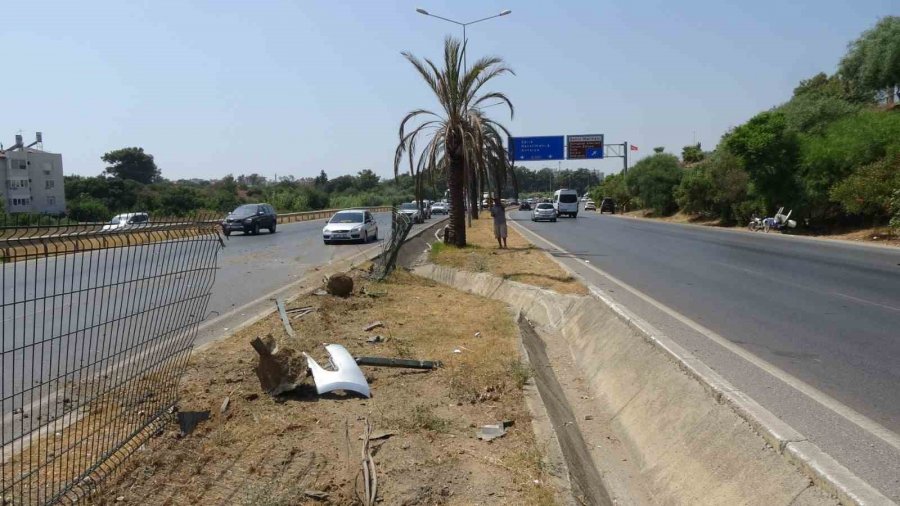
x=294, y=87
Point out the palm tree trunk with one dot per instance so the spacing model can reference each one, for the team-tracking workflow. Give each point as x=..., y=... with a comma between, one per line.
x=456, y=184
x=473, y=193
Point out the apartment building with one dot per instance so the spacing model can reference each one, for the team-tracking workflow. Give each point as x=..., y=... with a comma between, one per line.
x=31, y=179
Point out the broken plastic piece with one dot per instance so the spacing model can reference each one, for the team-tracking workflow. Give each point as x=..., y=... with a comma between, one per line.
x=346, y=376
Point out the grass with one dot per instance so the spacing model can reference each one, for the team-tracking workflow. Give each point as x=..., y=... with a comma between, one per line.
x=522, y=262
x=264, y=451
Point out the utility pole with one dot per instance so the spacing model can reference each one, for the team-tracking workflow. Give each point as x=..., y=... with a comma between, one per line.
x=625, y=157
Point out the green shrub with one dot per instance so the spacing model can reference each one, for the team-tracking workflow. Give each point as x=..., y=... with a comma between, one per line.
x=653, y=181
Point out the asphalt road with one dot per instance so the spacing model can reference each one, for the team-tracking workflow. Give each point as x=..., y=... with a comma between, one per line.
x=812, y=326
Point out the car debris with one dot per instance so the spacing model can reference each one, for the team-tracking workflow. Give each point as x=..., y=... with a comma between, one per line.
x=346, y=376
x=284, y=319
x=189, y=420
x=375, y=339
x=493, y=431
x=399, y=362
x=316, y=494
x=380, y=434
x=372, y=326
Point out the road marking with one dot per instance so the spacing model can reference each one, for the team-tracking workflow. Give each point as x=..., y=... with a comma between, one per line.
x=860, y=420
x=864, y=301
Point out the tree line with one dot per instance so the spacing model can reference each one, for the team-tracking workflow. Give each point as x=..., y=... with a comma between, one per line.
x=831, y=153
x=132, y=182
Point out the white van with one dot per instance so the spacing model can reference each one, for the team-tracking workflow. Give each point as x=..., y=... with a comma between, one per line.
x=566, y=202
x=127, y=220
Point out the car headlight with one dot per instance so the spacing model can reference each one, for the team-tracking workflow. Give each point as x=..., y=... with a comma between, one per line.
x=248, y=220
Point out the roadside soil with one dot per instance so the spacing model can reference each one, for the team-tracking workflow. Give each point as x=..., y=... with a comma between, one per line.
x=302, y=448
x=522, y=261
x=877, y=235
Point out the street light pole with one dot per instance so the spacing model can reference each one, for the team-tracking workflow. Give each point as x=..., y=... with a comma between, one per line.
x=463, y=25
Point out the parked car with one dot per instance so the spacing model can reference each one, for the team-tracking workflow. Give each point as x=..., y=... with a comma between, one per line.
x=590, y=206
x=412, y=210
x=608, y=205
x=440, y=208
x=525, y=206
x=250, y=218
x=566, y=202
x=127, y=220
x=350, y=225
x=543, y=211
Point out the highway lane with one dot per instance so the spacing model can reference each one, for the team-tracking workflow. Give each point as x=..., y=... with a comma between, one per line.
x=250, y=268
x=824, y=312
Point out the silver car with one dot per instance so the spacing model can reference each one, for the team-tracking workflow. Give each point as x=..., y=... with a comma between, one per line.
x=350, y=225
x=543, y=211
x=412, y=211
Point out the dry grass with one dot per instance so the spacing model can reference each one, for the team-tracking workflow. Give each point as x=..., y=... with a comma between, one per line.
x=267, y=451
x=522, y=262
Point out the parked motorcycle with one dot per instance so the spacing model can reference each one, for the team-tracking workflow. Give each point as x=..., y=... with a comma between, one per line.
x=780, y=222
x=756, y=224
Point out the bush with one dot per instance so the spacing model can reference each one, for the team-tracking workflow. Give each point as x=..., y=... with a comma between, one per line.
x=895, y=210
x=869, y=190
x=695, y=192
x=653, y=181
x=613, y=186
x=87, y=208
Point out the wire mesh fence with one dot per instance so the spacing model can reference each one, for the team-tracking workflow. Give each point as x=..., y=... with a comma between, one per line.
x=401, y=225
x=97, y=325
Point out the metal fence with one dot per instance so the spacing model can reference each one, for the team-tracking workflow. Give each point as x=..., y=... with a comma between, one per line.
x=401, y=225
x=97, y=327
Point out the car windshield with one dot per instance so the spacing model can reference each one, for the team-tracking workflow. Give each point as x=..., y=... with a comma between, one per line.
x=408, y=206
x=246, y=210
x=116, y=220
x=545, y=206
x=347, y=218
x=568, y=198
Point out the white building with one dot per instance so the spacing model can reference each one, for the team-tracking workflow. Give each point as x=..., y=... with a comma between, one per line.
x=31, y=179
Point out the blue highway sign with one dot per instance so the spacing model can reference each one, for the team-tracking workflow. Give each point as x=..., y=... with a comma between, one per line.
x=537, y=148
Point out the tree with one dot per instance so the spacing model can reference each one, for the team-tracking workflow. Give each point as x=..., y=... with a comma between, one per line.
x=321, y=180
x=691, y=153
x=659, y=149
x=873, y=60
x=88, y=209
x=459, y=131
x=694, y=194
x=133, y=164
x=613, y=186
x=653, y=181
x=769, y=152
x=367, y=180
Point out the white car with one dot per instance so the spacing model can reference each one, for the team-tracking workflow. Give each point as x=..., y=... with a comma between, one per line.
x=350, y=225
x=440, y=208
x=127, y=220
x=543, y=211
x=412, y=210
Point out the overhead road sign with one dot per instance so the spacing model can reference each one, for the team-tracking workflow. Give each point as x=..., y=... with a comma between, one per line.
x=581, y=147
x=537, y=148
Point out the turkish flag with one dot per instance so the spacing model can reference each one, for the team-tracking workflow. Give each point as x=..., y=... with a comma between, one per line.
x=634, y=148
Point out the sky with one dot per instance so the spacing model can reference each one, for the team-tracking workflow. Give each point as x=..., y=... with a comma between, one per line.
x=294, y=87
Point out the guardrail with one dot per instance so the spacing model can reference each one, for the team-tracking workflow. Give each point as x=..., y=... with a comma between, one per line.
x=323, y=214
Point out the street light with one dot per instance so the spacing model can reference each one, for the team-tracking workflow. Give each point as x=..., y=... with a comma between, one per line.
x=463, y=25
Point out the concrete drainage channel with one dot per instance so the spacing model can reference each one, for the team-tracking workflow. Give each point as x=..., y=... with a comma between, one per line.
x=694, y=438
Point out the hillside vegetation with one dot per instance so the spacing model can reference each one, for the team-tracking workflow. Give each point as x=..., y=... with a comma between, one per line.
x=831, y=153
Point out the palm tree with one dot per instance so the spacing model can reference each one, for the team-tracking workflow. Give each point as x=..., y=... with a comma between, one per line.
x=459, y=137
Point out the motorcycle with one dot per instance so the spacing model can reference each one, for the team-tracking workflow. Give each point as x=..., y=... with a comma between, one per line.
x=756, y=224
x=780, y=222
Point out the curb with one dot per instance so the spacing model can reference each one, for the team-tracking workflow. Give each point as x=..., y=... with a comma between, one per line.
x=793, y=446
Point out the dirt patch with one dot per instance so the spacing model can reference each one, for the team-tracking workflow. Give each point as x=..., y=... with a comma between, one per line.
x=522, y=262
x=305, y=448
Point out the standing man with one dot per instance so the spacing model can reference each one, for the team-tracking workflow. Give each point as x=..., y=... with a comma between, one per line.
x=499, y=214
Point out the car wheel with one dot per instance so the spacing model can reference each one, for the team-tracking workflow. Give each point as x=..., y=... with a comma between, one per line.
x=272, y=228
x=226, y=232
x=365, y=238
x=375, y=235
x=553, y=220
x=255, y=230
x=574, y=215
x=326, y=241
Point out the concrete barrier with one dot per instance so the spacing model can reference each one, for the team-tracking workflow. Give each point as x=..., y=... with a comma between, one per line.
x=696, y=439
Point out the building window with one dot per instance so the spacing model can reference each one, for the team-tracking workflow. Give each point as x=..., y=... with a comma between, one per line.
x=20, y=202
x=51, y=200
x=48, y=184
x=14, y=184
x=23, y=166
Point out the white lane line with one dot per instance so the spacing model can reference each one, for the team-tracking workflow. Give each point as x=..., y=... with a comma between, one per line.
x=860, y=420
x=864, y=301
